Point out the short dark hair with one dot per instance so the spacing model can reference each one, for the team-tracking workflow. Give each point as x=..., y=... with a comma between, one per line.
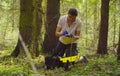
x=73, y=11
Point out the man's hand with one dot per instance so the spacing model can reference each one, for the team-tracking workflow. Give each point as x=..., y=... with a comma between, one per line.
x=64, y=32
x=69, y=35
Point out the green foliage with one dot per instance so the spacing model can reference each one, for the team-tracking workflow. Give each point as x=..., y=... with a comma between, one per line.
x=12, y=67
x=98, y=65
x=10, y=71
x=9, y=16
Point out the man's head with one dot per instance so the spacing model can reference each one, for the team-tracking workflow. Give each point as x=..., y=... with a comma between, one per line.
x=72, y=13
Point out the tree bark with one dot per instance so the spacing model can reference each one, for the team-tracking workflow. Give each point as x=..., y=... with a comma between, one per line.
x=118, y=49
x=29, y=28
x=37, y=27
x=50, y=41
x=102, y=44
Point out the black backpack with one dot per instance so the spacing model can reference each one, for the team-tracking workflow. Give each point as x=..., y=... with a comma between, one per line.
x=53, y=61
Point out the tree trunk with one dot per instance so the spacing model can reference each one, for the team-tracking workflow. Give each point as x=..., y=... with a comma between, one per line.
x=102, y=44
x=95, y=31
x=25, y=27
x=16, y=51
x=86, y=21
x=37, y=28
x=50, y=41
x=118, y=49
x=29, y=27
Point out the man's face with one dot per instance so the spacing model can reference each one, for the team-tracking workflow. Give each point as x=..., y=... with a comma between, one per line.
x=71, y=18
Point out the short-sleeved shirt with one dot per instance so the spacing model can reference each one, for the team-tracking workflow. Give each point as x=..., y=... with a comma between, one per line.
x=75, y=26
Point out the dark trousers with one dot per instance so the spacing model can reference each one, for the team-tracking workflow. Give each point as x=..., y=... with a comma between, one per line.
x=68, y=50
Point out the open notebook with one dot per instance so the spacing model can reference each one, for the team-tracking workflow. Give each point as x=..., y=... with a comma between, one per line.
x=68, y=40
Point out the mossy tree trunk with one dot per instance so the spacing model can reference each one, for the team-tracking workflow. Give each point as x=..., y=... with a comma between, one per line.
x=103, y=34
x=118, y=49
x=29, y=27
x=37, y=25
x=53, y=7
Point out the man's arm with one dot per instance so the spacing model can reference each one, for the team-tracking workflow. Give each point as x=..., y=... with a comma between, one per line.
x=58, y=31
x=77, y=35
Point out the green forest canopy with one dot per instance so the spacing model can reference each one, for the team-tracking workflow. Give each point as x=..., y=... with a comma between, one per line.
x=89, y=12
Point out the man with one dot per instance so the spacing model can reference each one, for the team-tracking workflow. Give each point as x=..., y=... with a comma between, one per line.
x=68, y=31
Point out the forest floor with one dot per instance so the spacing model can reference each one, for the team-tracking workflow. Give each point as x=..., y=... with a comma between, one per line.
x=106, y=65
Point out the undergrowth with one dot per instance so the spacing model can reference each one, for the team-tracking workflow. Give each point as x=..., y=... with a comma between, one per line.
x=106, y=65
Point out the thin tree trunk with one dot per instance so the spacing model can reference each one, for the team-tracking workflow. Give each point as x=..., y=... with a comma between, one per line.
x=37, y=28
x=86, y=31
x=95, y=25
x=114, y=25
x=118, y=49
